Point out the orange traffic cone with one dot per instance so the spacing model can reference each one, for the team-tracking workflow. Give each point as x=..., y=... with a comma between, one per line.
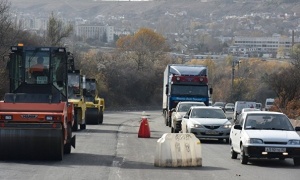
x=144, y=131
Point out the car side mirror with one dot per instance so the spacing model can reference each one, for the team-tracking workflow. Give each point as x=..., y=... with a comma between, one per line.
x=237, y=126
x=173, y=109
x=297, y=128
x=186, y=116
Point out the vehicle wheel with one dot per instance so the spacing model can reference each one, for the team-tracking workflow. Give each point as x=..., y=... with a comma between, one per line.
x=296, y=161
x=227, y=140
x=67, y=146
x=172, y=130
x=243, y=158
x=82, y=126
x=101, y=118
x=75, y=125
x=169, y=122
x=176, y=131
x=233, y=153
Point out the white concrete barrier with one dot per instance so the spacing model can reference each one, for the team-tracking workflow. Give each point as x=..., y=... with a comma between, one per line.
x=178, y=149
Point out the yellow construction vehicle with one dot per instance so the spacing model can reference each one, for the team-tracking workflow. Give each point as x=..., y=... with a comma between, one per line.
x=75, y=95
x=94, y=104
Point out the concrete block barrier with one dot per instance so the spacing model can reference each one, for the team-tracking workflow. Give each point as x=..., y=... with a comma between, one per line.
x=178, y=150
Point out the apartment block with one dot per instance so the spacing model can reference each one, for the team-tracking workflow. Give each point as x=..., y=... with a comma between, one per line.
x=95, y=31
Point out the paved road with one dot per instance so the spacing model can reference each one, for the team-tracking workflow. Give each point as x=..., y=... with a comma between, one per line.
x=113, y=151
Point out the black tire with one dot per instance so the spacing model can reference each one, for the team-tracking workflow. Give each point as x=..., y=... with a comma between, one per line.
x=75, y=125
x=227, y=140
x=176, y=131
x=296, y=161
x=169, y=121
x=101, y=117
x=58, y=153
x=244, y=159
x=82, y=126
x=233, y=153
x=172, y=130
x=67, y=146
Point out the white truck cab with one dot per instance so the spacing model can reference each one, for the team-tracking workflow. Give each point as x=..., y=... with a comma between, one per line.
x=239, y=105
x=269, y=103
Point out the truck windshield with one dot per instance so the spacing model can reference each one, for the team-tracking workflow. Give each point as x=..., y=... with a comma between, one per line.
x=189, y=90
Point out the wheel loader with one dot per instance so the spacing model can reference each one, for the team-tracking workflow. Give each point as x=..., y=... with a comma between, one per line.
x=94, y=104
x=35, y=116
x=75, y=95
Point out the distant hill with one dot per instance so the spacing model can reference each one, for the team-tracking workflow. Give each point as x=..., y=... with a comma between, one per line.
x=85, y=8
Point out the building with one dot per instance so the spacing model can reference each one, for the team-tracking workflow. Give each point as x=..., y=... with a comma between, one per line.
x=95, y=32
x=264, y=44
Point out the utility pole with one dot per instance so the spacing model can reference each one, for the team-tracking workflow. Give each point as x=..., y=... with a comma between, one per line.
x=234, y=62
x=232, y=80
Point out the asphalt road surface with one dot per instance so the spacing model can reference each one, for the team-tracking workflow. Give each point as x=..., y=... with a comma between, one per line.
x=113, y=151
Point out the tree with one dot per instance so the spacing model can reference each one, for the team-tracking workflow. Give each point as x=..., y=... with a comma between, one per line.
x=145, y=46
x=57, y=31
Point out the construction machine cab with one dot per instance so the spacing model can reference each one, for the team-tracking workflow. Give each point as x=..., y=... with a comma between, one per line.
x=29, y=75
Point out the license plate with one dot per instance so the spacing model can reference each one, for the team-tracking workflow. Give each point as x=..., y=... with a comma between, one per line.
x=271, y=149
x=212, y=132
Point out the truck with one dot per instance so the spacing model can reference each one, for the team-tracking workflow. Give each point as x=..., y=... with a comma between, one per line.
x=184, y=83
x=239, y=105
x=94, y=104
x=35, y=116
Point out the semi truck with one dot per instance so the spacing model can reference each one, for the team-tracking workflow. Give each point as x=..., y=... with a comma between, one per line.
x=184, y=83
x=35, y=116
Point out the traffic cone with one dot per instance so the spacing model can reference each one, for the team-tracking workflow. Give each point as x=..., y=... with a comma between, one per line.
x=144, y=131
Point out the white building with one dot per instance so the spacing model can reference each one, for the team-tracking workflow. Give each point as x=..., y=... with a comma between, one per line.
x=95, y=31
x=265, y=44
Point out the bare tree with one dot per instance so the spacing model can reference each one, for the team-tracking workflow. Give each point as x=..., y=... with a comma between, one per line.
x=57, y=31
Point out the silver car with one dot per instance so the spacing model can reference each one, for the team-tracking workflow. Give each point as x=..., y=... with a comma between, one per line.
x=179, y=111
x=207, y=122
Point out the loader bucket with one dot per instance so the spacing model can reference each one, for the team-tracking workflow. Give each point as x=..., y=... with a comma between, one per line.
x=92, y=116
x=31, y=141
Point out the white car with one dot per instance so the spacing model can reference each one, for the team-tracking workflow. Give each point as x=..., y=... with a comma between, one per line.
x=262, y=134
x=207, y=122
x=180, y=110
x=249, y=109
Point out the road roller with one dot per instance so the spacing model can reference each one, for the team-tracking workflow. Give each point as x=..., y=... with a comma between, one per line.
x=35, y=116
x=94, y=104
x=75, y=95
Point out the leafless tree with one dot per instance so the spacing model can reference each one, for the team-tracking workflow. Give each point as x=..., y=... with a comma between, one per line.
x=57, y=31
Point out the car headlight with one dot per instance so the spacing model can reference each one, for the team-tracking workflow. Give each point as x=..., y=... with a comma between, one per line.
x=255, y=141
x=197, y=126
x=294, y=142
x=227, y=126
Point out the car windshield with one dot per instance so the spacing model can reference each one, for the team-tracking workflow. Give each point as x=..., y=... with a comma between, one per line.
x=208, y=113
x=186, y=107
x=268, y=122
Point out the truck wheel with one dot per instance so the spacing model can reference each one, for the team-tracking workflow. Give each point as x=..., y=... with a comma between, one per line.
x=172, y=130
x=243, y=158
